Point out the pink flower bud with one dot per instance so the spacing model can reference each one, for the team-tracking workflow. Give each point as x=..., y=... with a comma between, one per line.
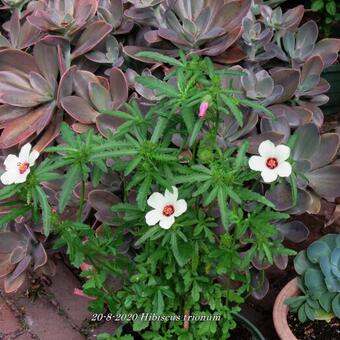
x=203, y=109
x=80, y=293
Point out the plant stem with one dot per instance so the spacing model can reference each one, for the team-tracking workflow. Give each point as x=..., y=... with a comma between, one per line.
x=82, y=199
x=186, y=320
x=105, y=289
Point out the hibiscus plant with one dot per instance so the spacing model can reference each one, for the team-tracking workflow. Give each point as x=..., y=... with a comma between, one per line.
x=187, y=224
x=165, y=147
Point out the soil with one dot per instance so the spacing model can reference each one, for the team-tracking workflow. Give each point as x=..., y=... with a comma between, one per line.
x=314, y=330
x=240, y=333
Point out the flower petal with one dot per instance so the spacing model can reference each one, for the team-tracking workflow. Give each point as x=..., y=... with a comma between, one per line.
x=180, y=207
x=282, y=152
x=203, y=109
x=269, y=176
x=21, y=178
x=171, y=197
x=33, y=157
x=156, y=201
x=8, y=178
x=284, y=169
x=25, y=152
x=11, y=161
x=257, y=163
x=167, y=222
x=153, y=217
x=267, y=149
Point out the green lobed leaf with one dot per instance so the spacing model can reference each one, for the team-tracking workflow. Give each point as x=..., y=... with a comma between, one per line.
x=195, y=291
x=143, y=192
x=189, y=119
x=71, y=179
x=175, y=250
x=231, y=103
x=196, y=130
x=119, y=114
x=48, y=176
x=67, y=134
x=268, y=253
x=201, y=168
x=9, y=191
x=16, y=212
x=294, y=189
x=159, y=302
x=248, y=195
x=139, y=325
x=132, y=165
x=241, y=155
x=195, y=177
x=222, y=204
x=331, y=8
x=211, y=196
x=158, y=85
x=233, y=195
x=202, y=189
x=113, y=154
x=159, y=57
x=160, y=127
x=46, y=210
x=317, y=5
x=258, y=107
x=147, y=235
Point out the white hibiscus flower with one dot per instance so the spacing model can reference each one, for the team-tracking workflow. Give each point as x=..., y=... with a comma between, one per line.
x=18, y=167
x=272, y=161
x=165, y=208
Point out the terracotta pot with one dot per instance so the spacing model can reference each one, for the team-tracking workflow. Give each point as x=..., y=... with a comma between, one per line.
x=280, y=310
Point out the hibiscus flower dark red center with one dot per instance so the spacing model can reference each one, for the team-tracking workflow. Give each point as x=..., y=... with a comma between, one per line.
x=272, y=163
x=23, y=167
x=168, y=210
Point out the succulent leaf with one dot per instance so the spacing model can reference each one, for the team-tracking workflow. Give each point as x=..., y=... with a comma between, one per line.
x=336, y=305
x=317, y=250
x=205, y=26
x=314, y=281
x=318, y=267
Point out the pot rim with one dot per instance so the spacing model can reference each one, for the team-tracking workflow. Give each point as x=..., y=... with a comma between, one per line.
x=280, y=310
x=245, y=322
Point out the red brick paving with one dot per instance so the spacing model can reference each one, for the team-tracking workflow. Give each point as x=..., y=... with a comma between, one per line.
x=23, y=336
x=54, y=314
x=8, y=322
x=62, y=287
